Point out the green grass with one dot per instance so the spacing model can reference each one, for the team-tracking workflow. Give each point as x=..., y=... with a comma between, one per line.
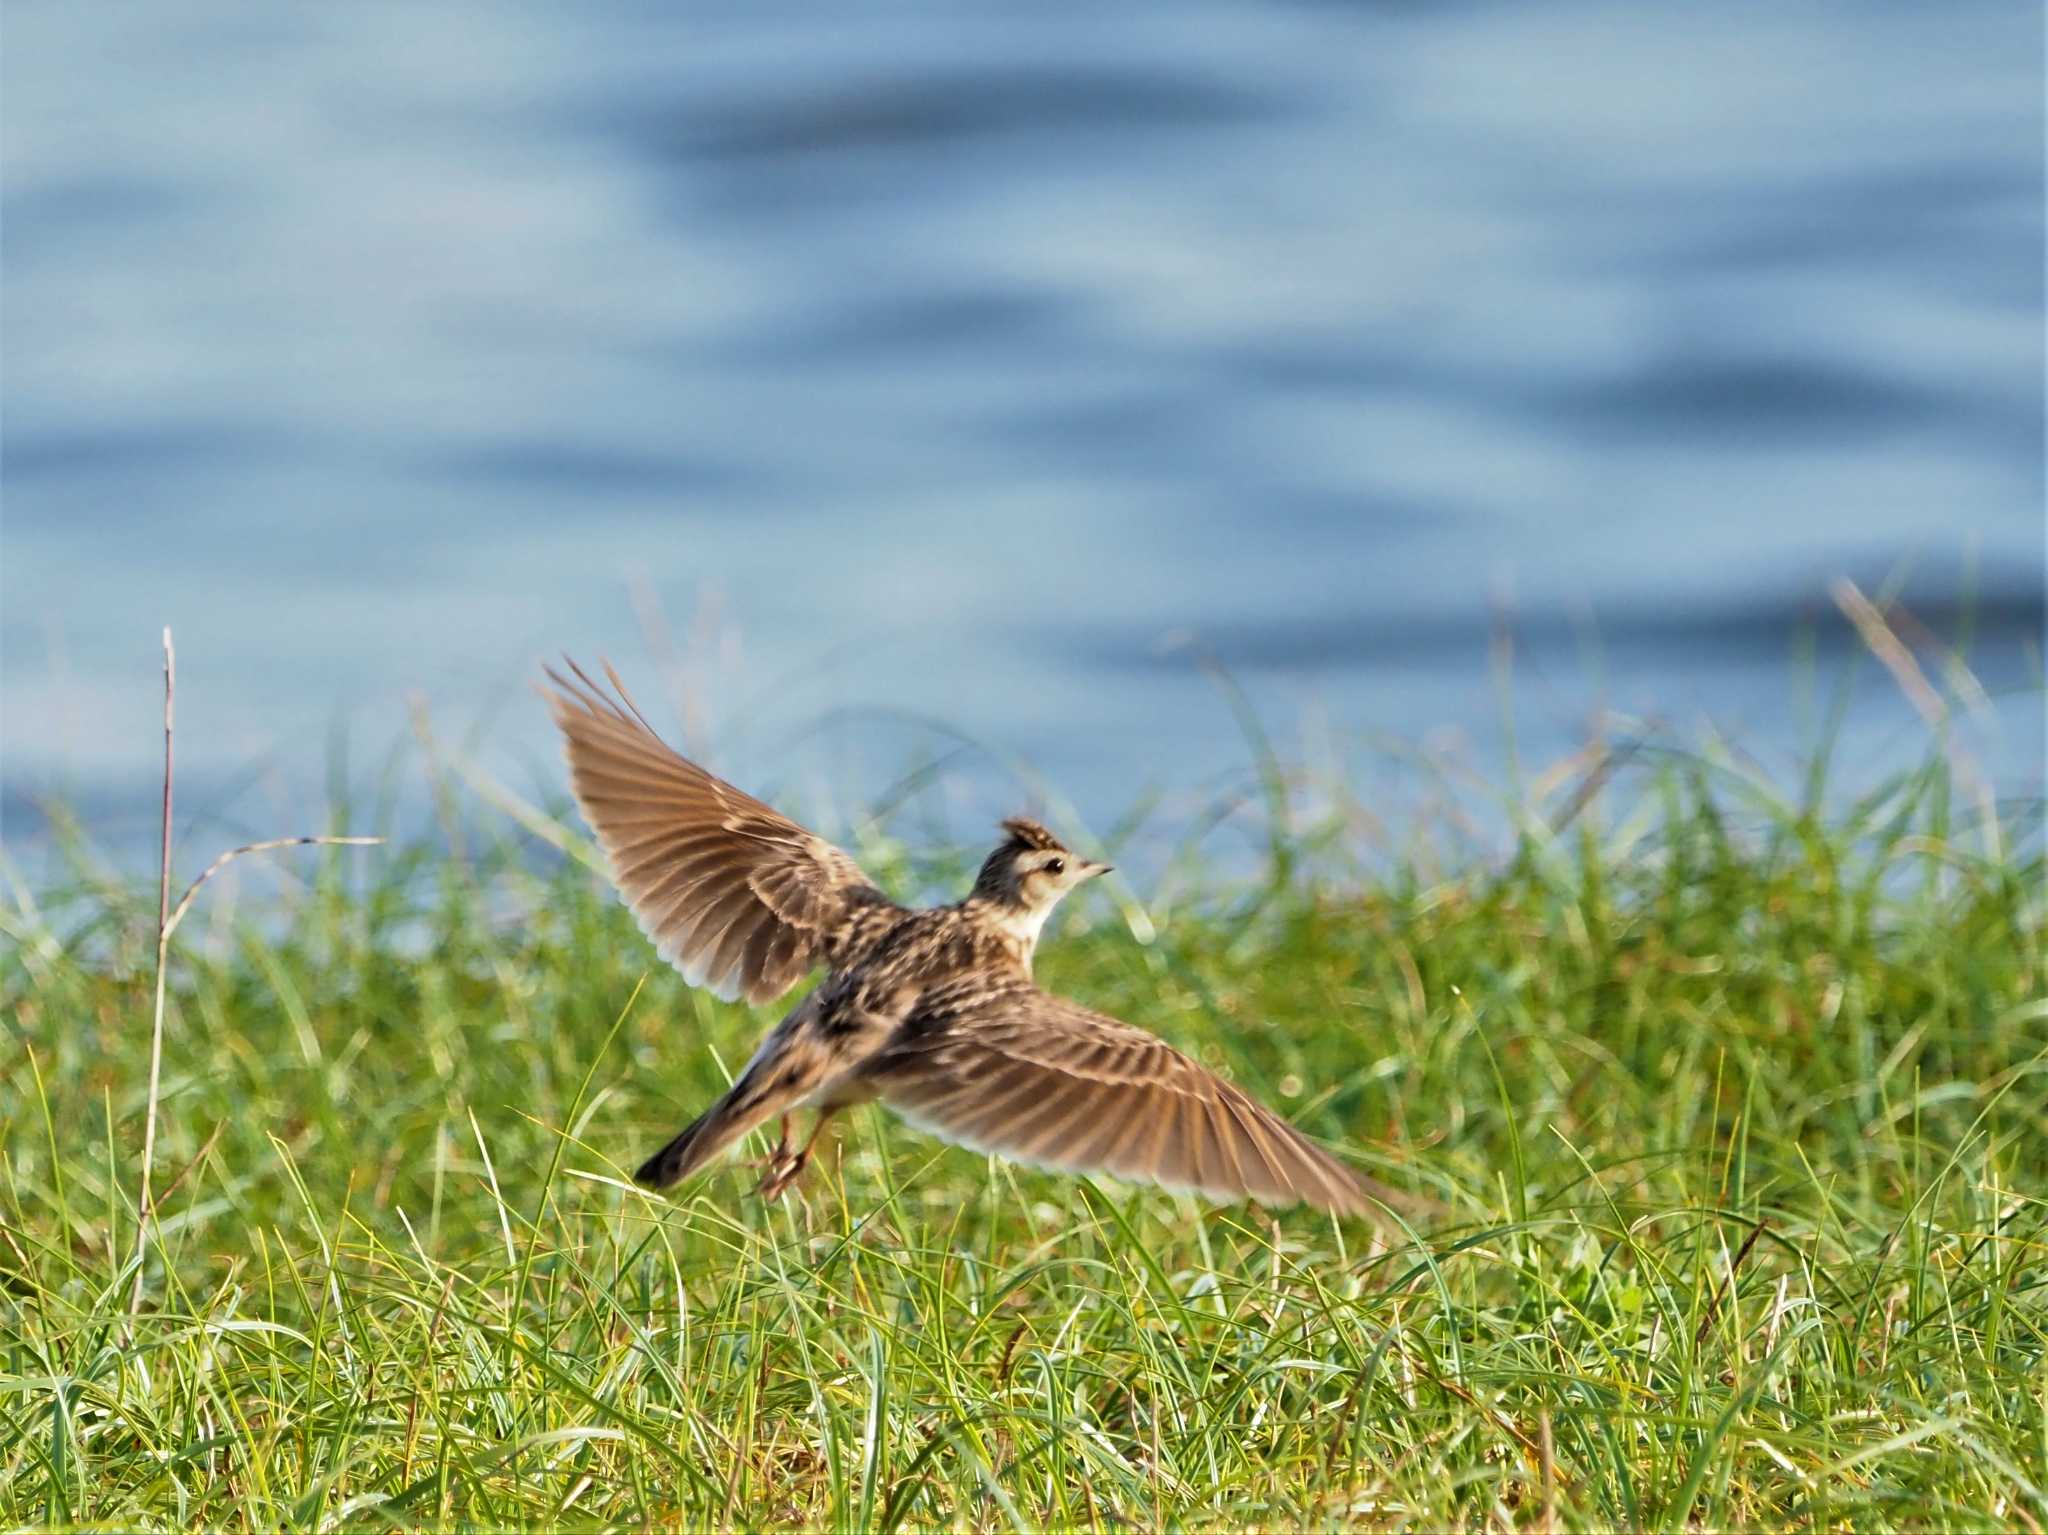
x=1739, y=1110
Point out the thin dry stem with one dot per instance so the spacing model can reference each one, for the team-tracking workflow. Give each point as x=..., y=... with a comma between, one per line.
x=191, y=890
x=1727, y=1283
x=1890, y=650
x=167, y=920
x=1897, y=657
x=156, y=1032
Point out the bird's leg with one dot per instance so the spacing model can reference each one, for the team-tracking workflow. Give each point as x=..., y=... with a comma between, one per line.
x=778, y=1154
x=777, y=1168
x=786, y=1165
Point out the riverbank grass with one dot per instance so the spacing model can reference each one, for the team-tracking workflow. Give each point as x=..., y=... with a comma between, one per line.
x=1737, y=1110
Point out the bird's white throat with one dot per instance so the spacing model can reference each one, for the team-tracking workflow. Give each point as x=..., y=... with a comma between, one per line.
x=1023, y=923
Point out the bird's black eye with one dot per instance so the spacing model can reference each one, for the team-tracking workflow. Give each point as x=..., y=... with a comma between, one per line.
x=1056, y=866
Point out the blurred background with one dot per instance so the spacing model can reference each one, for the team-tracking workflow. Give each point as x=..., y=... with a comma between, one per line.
x=947, y=385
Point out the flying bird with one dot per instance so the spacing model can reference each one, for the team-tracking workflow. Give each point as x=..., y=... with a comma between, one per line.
x=931, y=1011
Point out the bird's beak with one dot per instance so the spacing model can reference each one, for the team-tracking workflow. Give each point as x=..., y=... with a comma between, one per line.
x=1097, y=870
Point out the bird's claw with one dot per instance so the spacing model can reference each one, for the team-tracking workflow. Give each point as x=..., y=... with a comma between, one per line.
x=783, y=1167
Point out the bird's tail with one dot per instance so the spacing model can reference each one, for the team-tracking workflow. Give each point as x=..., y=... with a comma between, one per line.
x=708, y=1135
x=744, y=1107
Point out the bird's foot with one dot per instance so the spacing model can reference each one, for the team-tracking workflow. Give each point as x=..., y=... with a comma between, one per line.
x=784, y=1166
x=775, y=1164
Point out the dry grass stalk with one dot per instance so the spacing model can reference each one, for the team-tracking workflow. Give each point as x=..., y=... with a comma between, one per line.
x=167, y=920
x=1874, y=626
x=1891, y=651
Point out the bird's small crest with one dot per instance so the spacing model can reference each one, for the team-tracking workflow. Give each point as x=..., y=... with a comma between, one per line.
x=1027, y=833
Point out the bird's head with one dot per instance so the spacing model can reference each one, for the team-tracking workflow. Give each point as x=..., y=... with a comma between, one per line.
x=1030, y=871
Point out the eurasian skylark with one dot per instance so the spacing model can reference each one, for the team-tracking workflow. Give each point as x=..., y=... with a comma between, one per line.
x=931, y=1011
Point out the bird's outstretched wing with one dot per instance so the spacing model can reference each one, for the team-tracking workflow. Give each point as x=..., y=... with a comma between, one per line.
x=1004, y=1067
x=734, y=894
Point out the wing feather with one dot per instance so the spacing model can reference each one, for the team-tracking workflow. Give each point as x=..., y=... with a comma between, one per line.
x=734, y=894
x=1017, y=1071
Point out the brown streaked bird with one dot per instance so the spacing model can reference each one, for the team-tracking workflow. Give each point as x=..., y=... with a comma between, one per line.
x=933, y=1012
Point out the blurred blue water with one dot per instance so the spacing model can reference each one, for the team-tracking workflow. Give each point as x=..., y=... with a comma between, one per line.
x=936, y=363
